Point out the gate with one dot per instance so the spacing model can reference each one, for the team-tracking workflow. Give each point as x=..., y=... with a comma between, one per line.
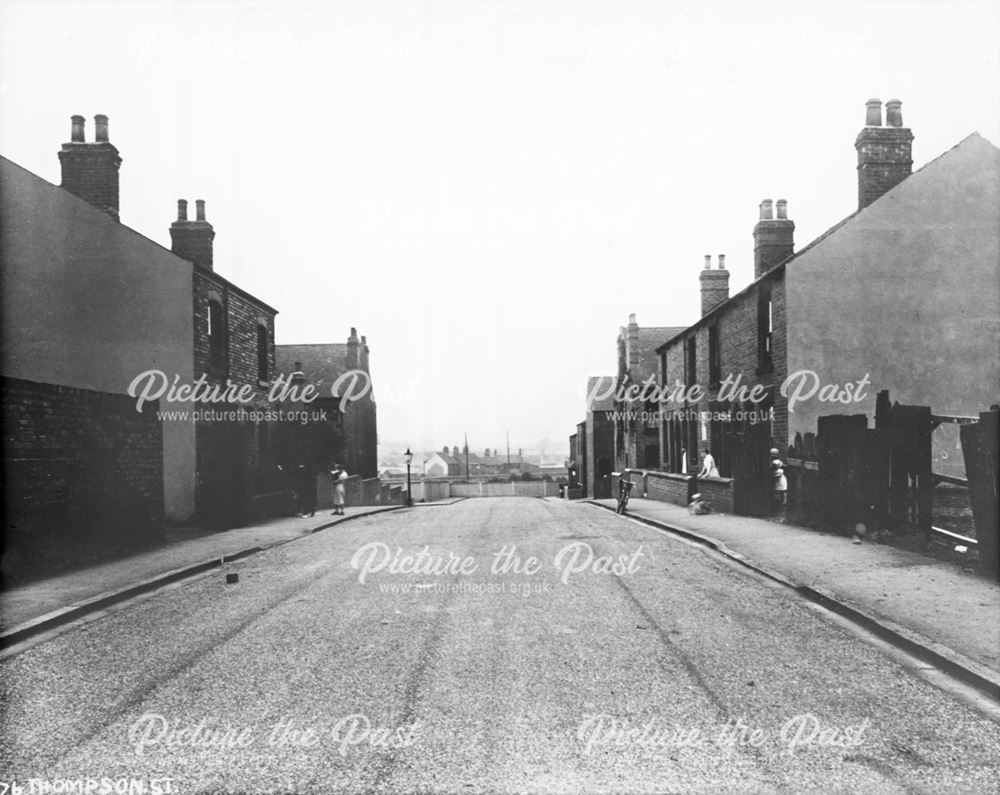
x=748, y=451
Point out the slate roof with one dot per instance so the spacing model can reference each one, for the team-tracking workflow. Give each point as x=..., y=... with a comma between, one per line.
x=322, y=363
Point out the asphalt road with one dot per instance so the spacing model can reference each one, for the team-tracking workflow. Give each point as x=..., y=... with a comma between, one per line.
x=333, y=667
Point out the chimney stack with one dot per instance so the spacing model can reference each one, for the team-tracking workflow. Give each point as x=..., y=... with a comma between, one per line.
x=714, y=284
x=773, y=238
x=885, y=154
x=353, y=358
x=90, y=171
x=192, y=240
x=632, y=341
x=364, y=353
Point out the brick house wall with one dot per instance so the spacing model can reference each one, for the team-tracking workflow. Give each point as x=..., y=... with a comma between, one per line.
x=739, y=354
x=233, y=460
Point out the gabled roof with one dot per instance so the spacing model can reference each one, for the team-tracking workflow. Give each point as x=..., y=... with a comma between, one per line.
x=651, y=338
x=322, y=363
x=973, y=144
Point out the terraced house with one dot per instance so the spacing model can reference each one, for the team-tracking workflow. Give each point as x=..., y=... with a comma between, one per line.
x=901, y=295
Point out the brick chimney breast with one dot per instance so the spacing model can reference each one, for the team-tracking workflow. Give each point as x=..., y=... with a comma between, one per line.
x=773, y=238
x=885, y=154
x=192, y=240
x=714, y=284
x=632, y=343
x=90, y=170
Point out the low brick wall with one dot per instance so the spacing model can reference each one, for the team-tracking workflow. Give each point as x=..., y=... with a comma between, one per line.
x=717, y=492
x=669, y=487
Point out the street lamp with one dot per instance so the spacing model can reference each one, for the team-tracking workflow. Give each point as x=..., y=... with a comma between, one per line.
x=409, y=459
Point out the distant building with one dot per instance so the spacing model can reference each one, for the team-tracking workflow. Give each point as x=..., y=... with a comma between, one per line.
x=637, y=434
x=442, y=465
x=341, y=376
x=593, y=444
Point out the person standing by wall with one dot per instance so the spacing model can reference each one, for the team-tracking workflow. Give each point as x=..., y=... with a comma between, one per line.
x=779, y=483
x=339, y=475
x=708, y=467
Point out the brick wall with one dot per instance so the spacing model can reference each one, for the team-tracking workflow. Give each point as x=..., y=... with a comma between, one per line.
x=717, y=492
x=81, y=463
x=738, y=353
x=668, y=487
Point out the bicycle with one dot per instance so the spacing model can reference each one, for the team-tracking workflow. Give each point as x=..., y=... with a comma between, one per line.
x=624, y=489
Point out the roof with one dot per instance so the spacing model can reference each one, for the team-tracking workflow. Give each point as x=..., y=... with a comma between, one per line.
x=93, y=215
x=600, y=390
x=971, y=141
x=651, y=338
x=322, y=363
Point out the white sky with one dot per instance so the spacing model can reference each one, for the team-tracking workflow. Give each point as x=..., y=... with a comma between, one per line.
x=487, y=189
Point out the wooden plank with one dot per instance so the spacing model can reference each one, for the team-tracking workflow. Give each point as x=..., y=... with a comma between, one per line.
x=980, y=443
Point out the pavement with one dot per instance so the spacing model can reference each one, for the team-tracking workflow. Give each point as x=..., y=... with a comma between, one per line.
x=34, y=607
x=936, y=605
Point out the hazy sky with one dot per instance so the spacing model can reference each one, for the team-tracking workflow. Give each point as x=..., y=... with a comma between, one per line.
x=487, y=189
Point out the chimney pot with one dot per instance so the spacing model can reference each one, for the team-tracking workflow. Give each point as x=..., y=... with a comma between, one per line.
x=631, y=319
x=894, y=113
x=192, y=241
x=76, y=129
x=298, y=366
x=873, y=115
x=782, y=206
x=722, y=262
x=885, y=154
x=766, y=210
x=91, y=172
x=101, y=128
x=708, y=262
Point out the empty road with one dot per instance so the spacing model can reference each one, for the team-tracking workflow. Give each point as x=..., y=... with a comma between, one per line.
x=492, y=645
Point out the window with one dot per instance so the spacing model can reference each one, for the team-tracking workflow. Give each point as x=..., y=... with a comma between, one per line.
x=216, y=335
x=714, y=355
x=690, y=361
x=262, y=351
x=765, y=330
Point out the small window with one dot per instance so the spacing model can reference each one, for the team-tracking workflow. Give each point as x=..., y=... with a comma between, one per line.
x=765, y=329
x=714, y=355
x=262, y=353
x=216, y=335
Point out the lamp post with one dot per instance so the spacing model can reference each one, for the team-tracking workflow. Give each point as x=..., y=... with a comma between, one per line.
x=409, y=459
